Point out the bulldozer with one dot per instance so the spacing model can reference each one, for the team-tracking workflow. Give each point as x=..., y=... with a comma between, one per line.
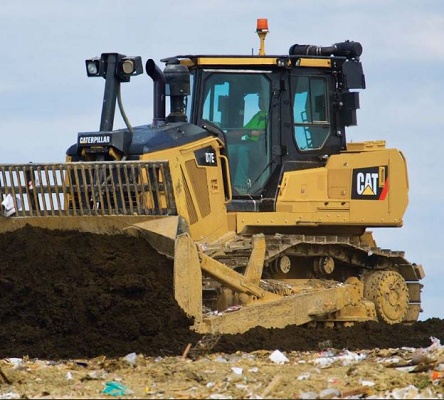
x=266, y=226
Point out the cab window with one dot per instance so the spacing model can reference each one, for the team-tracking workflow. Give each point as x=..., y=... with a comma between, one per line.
x=310, y=112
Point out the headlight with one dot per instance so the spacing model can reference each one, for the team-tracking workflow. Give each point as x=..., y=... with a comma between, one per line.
x=122, y=67
x=129, y=66
x=92, y=67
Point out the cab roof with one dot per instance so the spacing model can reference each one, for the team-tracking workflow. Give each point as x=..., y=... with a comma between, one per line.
x=279, y=61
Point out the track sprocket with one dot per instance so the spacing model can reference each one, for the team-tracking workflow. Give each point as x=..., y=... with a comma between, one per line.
x=389, y=292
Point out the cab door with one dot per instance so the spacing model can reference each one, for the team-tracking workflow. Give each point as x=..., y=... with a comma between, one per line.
x=231, y=100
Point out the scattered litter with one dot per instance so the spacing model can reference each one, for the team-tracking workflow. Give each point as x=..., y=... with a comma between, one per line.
x=329, y=393
x=436, y=375
x=304, y=377
x=407, y=368
x=345, y=358
x=278, y=357
x=9, y=207
x=439, y=367
x=95, y=375
x=9, y=395
x=391, y=361
x=237, y=371
x=412, y=392
x=248, y=356
x=241, y=386
x=220, y=359
x=324, y=362
x=16, y=362
x=435, y=346
x=116, y=389
x=131, y=358
x=308, y=395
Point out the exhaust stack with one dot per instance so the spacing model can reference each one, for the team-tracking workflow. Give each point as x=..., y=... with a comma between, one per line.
x=158, y=78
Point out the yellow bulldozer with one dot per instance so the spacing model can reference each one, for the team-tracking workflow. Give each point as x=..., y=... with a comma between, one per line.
x=247, y=182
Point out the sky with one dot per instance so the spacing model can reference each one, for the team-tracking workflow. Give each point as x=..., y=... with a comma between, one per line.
x=46, y=97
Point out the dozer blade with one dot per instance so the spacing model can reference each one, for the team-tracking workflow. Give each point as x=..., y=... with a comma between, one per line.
x=161, y=233
x=169, y=236
x=259, y=307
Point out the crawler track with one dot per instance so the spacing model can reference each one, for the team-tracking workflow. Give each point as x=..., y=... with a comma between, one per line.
x=337, y=258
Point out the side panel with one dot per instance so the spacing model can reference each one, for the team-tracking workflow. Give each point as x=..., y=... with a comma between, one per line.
x=377, y=185
x=199, y=192
x=368, y=188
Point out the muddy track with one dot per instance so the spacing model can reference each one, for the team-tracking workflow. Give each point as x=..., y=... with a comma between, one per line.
x=65, y=294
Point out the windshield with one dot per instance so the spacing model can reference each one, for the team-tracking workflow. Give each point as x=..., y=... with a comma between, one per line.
x=238, y=103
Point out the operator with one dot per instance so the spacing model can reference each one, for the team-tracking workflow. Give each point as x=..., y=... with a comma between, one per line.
x=255, y=127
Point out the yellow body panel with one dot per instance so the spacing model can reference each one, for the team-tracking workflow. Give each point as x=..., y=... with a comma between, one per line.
x=314, y=62
x=324, y=195
x=198, y=190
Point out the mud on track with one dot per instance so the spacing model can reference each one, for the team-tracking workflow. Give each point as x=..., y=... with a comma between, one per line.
x=65, y=294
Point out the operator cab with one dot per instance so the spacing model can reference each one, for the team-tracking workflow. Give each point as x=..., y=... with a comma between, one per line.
x=306, y=105
x=304, y=100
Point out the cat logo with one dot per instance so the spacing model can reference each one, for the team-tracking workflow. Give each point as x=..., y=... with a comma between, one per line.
x=370, y=183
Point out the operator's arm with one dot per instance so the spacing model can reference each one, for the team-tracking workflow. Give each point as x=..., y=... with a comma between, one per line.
x=256, y=126
x=252, y=130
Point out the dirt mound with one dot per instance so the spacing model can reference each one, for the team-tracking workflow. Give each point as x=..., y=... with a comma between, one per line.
x=70, y=294
x=65, y=294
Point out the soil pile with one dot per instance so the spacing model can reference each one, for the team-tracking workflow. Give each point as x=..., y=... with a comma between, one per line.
x=70, y=294
x=66, y=294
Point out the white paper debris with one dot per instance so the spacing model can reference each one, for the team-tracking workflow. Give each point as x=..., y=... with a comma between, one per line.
x=131, y=358
x=8, y=205
x=16, y=362
x=236, y=370
x=367, y=383
x=408, y=392
x=330, y=393
x=9, y=395
x=304, y=376
x=278, y=357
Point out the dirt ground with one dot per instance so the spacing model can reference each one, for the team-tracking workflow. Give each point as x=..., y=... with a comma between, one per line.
x=81, y=312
